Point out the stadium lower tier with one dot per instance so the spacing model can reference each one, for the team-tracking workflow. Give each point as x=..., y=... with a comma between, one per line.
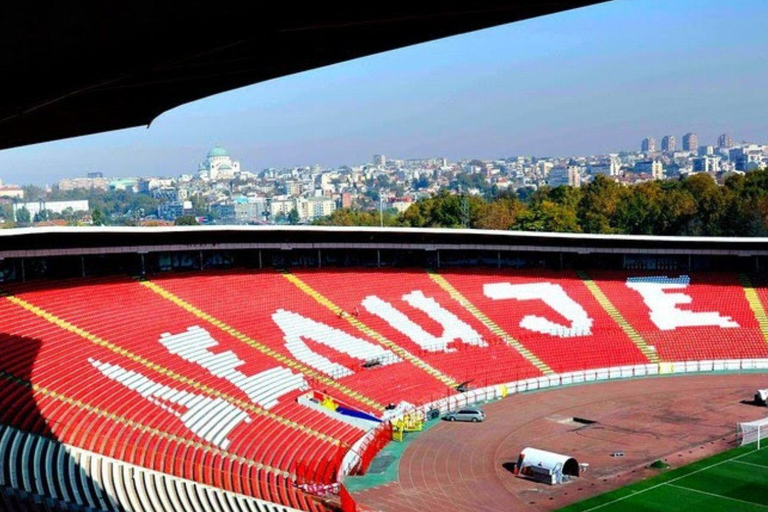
x=258, y=383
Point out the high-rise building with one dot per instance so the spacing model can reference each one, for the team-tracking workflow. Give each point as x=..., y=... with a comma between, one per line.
x=690, y=142
x=725, y=141
x=648, y=145
x=379, y=160
x=668, y=144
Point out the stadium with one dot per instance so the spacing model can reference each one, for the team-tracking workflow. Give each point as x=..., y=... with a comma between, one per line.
x=279, y=368
x=263, y=368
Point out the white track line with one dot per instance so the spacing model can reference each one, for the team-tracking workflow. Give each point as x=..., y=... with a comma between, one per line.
x=668, y=482
x=714, y=495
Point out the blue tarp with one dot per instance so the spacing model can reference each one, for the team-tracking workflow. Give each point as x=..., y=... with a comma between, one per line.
x=357, y=414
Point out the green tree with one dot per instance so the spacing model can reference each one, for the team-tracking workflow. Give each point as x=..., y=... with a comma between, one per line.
x=598, y=204
x=638, y=211
x=97, y=217
x=502, y=213
x=33, y=192
x=23, y=216
x=293, y=217
x=709, y=204
x=186, y=220
x=548, y=216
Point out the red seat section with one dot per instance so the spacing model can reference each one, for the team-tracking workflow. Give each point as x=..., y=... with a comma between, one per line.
x=248, y=301
x=164, y=374
x=132, y=317
x=118, y=323
x=486, y=360
x=719, y=296
x=602, y=344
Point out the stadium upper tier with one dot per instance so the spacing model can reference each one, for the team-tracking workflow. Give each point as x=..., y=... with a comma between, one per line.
x=224, y=378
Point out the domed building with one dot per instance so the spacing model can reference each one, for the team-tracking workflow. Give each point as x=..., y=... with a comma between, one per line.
x=218, y=165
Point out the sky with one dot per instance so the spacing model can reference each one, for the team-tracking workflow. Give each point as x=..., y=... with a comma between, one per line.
x=583, y=82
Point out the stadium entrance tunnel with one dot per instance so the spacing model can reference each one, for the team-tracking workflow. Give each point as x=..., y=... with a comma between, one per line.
x=547, y=467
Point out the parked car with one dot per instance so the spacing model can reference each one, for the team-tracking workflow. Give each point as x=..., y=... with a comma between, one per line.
x=466, y=414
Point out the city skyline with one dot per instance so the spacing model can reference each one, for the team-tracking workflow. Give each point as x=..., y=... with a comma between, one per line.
x=561, y=85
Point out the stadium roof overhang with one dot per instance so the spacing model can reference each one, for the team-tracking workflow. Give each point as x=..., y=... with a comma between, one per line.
x=54, y=241
x=75, y=68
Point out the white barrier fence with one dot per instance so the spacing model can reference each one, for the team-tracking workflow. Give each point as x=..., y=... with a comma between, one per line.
x=451, y=403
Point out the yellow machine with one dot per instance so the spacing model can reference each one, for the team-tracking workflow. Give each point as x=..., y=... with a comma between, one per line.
x=411, y=422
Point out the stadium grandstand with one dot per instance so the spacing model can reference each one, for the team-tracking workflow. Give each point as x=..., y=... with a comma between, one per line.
x=260, y=368
x=255, y=368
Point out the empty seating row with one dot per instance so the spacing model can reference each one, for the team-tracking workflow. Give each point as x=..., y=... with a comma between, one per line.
x=62, y=477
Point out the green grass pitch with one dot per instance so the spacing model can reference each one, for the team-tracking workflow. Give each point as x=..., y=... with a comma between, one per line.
x=736, y=480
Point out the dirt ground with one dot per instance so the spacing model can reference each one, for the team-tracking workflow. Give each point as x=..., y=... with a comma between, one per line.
x=465, y=466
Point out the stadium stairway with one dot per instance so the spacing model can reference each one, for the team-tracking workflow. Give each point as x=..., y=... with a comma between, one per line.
x=723, y=296
x=590, y=339
x=237, y=299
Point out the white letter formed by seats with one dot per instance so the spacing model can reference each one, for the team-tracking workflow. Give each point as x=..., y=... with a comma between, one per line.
x=453, y=327
x=213, y=419
x=264, y=388
x=663, y=306
x=296, y=328
x=554, y=296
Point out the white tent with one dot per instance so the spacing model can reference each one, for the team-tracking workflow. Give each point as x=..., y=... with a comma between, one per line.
x=546, y=466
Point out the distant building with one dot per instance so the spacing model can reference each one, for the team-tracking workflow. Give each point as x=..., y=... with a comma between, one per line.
x=690, y=142
x=653, y=167
x=562, y=175
x=89, y=183
x=170, y=211
x=346, y=200
x=401, y=206
x=318, y=207
x=11, y=191
x=278, y=205
x=293, y=188
x=601, y=168
x=725, y=141
x=668, y=144
x=147, y=185
x=746, y=158
x=174, y=209
x=706, y=163
x=223, y=211
x=308, y=208
x=706, y=150
x=251, y=209
x=648, y=145
x=124, y=184
x=379, y=160
x=615, y=164
x=166, y=193
x=35, y=207
x=218, y=165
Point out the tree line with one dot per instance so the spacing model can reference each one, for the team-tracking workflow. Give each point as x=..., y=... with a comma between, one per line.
x=692, y=206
